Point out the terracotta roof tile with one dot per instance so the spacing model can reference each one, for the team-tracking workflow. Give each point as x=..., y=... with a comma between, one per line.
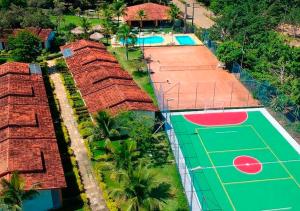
x=43, y=34
x=152, y=11
x=14, y=67
x=102, y=82
x=27, y=139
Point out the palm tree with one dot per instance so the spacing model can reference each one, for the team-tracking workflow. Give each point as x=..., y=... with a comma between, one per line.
x=126, y=36
x=119, y=8
x=173, y=13
x=13, y=193
x=105, y=128
x=86, y=25
x=108, y=29
x=139, y=190
x=141, y=15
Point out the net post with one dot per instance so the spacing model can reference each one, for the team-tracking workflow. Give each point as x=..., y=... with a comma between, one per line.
x=231, y=94
x=248, y=98
x=178, y=95
x=192, y=190
x=196, y=95
x=215, y=84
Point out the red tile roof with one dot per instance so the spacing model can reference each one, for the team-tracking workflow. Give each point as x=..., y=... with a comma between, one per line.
x=152, y=11
x=27, y=139
x=101, y=80
x=43, y=34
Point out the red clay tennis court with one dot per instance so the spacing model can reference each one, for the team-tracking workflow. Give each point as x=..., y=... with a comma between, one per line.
x=188, y=77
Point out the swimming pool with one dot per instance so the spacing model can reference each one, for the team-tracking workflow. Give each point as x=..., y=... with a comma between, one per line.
x=185, y=40
x=149, y=40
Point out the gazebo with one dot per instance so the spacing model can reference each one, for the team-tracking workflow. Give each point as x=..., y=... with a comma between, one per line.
x=154, y=14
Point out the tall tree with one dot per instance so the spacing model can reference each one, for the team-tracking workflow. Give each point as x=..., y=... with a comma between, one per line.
x=86, y=26
x=119, y=7
x=139, y=190
x=13, y=192
x=173, y=13
x=126, y=37
x=25, y=46
x=141, y=14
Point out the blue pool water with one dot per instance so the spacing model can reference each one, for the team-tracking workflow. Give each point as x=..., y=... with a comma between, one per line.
x=185, y=40
x=147, y=40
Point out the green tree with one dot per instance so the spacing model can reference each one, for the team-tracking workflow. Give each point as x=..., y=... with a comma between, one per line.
x=139, y=190
x=86, y=26
x=105, y=129
x=25, y=46
x=108, y=29
x=119, y=7
x=295, y=91
x=36, y=18
x=13, y=192
x=173, y=13
x=126, y=36
x=293, y=18
x=141, y=14
x=120, y=157
x=229, y=52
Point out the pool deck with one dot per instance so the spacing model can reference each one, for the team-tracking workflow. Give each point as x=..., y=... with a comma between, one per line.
x=169, y=40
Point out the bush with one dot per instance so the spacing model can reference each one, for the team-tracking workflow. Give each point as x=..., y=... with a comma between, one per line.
x=54, y=56
x=86, y=132
x=2, y=60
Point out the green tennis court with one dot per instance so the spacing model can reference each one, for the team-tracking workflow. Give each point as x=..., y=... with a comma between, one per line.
x=239, y=160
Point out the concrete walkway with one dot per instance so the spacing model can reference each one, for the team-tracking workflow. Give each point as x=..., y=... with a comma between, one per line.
x=92, y=189
x=201, y=13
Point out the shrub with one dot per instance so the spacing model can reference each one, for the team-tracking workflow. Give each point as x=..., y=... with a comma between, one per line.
x=54, y=56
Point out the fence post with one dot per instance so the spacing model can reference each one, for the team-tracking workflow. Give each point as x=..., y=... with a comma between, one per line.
x=178, y=95
x=196, y=95
x=192, y=191
x=184, y=176
x=248, y=98
x=231, y=94
x=214, y=95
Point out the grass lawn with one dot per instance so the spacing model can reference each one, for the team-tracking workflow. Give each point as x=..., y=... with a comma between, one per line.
x=76, y=20
x=132, y=65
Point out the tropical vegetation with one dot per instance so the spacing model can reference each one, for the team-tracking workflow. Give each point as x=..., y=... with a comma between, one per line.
x=247, y=33
x=13, y=192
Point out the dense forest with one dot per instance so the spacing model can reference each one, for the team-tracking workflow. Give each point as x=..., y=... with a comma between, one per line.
x=247, y=32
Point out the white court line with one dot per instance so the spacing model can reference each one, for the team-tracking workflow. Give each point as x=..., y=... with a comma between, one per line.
x=247, y=164
x=228, y=132
x=283, y=208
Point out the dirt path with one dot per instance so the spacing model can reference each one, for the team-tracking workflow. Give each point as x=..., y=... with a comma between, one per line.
x=92, y=190
x=201, y=13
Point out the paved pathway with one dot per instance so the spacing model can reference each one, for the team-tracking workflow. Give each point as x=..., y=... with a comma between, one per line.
x=92, y=189
x=201, y=13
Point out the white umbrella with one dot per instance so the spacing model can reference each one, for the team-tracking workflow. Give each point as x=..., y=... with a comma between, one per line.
x=77, y=30
x=97, y=28
x=96, y=36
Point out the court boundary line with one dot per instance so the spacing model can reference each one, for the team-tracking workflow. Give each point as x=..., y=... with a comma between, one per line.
x=237, y=150
x=233, y=150
x=258, y=180
x=217, y=173
x=265, y=113
x=275, y=155
x=263, y=142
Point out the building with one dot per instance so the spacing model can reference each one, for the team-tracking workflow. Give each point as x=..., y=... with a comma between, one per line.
x=27, y=139
x=46, y=36
x=154, y=14
x=102, y=82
